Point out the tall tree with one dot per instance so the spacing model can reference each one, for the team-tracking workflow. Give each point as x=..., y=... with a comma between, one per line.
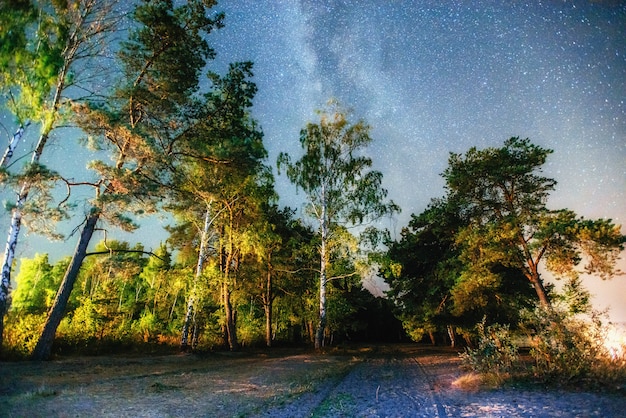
x=280, y=244
x=218, y=176
x=38, y=65
x=139, y=121
x=421, y=269
x=340, y=187
x=425, y=272
x=503, y=194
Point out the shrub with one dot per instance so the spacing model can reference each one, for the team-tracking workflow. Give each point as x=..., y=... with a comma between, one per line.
x=571, y=348
x=21, y=333
x=566, y=348
x=496, y=354
x=147, y=326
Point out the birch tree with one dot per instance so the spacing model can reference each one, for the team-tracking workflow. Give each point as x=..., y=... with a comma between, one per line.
x=47, y=44
x=340, y=186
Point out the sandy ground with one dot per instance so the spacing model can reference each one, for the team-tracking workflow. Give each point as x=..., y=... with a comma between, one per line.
x=392, y=381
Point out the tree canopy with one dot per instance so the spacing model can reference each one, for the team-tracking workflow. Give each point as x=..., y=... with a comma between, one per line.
x=479, y=249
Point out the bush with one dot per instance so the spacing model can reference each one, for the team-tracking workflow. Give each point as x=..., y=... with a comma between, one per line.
x=83, y=325
x=21, y=333
x=571, y=348
x=147, y=327
x=496, y=354
x=566, y=348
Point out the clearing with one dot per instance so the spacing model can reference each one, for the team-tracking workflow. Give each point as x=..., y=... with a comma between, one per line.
x=380, y=381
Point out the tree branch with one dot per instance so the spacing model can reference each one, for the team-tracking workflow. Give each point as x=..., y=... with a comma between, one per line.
x=111, y=250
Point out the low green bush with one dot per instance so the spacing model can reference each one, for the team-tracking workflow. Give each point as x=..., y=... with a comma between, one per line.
x=570, y=347
x=565, y=348
x=496, y=354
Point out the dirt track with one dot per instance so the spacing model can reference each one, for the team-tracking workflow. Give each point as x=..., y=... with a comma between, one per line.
x=392, y=381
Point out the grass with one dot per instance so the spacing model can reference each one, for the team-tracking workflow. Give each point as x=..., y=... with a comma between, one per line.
x=41, y=392
x=165, y=385
x=339, y=404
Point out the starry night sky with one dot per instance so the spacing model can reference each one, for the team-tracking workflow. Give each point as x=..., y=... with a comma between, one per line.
x=432, y=77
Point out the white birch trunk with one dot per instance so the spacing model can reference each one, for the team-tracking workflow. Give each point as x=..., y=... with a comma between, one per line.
x=16, y=216
x=15, y=139
x=184, y=339
x=321, y=328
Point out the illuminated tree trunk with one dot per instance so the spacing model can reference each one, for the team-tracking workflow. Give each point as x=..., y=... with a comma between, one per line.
x=231, y=331
x=268, y=299
x=226, y=262
x=321, y=326
x=57, y=310
x=14, y=228
x=184, y=340
x=268, y=324
x=452, y=335
x=532, y=272
x=541, y=290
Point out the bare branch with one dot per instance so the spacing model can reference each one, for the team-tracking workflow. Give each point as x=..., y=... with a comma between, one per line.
x=111, y=251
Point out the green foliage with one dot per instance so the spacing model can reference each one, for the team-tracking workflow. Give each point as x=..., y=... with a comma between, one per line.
x=31, y=43
x=152, y=55
x=570, y=348
x=566, y=349
x=250, y=324
x=41, y=212
x=21, y=332
x=503, y=195
x=496, y=353
x=83, y=325
x=497, y=183
x=333, y=174
x=148, y=325
x=37, y=283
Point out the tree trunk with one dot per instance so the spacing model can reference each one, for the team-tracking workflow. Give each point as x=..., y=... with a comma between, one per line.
x=267, y=306
x=184, y=339
x=321, y=327
x=452, y=335
x=310, y=330
x=268, y=324
x=537, y=283
x=15, y=139
x=57, y=310
x=9, y=255
x=267, y=303
x=231, y=331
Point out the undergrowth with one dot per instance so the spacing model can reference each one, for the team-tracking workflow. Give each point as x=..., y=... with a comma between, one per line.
x=564, y=349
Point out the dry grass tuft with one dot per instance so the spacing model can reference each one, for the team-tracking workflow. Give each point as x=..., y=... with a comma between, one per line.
x=469, y=382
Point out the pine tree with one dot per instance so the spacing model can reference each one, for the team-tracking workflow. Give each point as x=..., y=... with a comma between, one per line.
x=148, y=107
